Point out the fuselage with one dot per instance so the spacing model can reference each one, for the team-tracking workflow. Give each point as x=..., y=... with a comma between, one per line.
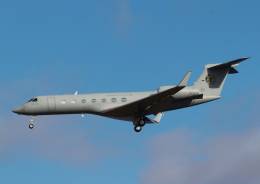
x=101, y=103
x=137, y=106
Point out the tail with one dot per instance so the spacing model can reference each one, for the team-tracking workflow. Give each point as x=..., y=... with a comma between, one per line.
x=212, y=80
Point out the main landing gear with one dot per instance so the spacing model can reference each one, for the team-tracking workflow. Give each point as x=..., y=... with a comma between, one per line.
x=139, y=124
x=138, y=129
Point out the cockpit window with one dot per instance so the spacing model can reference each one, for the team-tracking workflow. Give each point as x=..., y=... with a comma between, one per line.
x=33, y=100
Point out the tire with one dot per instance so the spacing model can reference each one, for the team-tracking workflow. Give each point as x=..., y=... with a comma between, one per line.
x=31, y=126
x=138, y=129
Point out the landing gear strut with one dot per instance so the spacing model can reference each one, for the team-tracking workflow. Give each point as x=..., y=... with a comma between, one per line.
x=139, y=124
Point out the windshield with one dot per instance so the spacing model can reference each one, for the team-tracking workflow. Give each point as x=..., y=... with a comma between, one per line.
x=33, y=100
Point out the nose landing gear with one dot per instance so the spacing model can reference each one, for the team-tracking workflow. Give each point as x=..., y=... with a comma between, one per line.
x=31, y=124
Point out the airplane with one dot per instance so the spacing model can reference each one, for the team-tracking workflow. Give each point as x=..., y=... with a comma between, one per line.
x=140, y=108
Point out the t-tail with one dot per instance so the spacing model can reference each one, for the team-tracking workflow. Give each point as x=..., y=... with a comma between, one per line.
x=212, y=80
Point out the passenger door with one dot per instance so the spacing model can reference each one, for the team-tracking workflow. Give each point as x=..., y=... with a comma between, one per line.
x=51, y=103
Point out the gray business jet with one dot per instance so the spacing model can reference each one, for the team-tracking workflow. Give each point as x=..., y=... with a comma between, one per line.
x=141, y=108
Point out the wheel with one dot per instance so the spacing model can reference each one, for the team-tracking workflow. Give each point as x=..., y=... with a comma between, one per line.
x=31, y=126
x=138, y=129
x=142, y=123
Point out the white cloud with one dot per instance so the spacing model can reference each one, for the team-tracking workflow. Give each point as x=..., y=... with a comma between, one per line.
x=124, y=15
x=176, y=158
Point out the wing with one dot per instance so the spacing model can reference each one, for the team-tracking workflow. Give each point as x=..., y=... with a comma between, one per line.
x=139, y=107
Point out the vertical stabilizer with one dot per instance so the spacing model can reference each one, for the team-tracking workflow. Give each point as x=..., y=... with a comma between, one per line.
x=212, y=80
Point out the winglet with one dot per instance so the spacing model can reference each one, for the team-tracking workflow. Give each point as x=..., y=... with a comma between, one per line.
x=186, y=79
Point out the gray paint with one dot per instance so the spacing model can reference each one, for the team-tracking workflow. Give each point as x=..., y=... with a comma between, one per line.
x=135, y=106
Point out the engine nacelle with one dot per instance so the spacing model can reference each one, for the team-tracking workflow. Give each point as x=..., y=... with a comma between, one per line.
x=193, y=94
x=185, y=93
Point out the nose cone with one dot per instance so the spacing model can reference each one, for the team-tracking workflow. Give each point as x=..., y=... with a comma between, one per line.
x=19, y=110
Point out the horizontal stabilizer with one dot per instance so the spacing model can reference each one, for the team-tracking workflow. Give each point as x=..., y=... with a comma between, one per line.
x=229, y=65
x=233, y=70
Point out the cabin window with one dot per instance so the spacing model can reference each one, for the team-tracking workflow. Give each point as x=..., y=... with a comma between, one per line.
x=104, y=100
x=73, y=102
x=83, y=101
x=114, y=100
x=94, y=100
x=63, y=102
x=124, y=100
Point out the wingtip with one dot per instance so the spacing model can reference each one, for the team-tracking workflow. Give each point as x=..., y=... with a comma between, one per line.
x=238, y=61
x=244, y=59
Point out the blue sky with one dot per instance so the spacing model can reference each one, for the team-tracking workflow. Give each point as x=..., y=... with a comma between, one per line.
x=56, y=47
